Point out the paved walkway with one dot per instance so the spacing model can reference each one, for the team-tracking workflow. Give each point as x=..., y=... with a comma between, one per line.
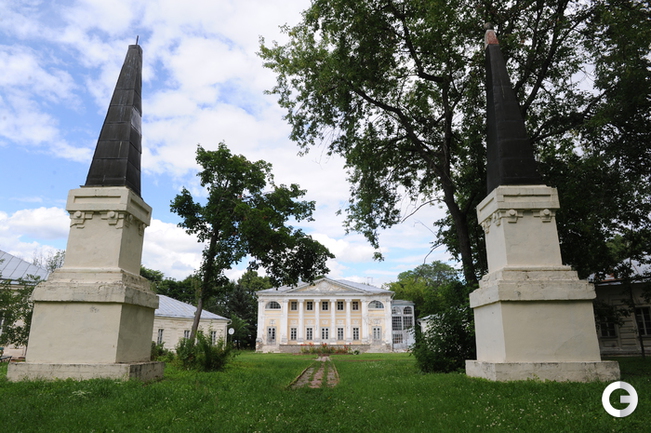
x=321, y=373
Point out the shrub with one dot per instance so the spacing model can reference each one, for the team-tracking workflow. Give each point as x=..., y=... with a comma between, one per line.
x=160, y=353
x=449, y=338
x=203, y=355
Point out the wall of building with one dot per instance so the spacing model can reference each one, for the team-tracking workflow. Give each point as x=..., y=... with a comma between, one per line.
x=622, y=339
x=174, y=329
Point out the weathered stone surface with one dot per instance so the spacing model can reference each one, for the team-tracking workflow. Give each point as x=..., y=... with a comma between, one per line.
x=602, y=371
x=144, y=371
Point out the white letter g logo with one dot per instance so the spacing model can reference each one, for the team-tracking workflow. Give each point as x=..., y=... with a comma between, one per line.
x=631, y=399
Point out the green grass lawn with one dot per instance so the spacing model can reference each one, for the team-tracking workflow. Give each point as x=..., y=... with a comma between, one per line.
x=376, y=393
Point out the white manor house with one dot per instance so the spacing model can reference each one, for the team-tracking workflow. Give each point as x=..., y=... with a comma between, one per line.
x=333, y=312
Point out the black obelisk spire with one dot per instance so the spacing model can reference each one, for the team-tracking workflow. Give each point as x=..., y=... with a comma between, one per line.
x=116, y=161
x=509, y=150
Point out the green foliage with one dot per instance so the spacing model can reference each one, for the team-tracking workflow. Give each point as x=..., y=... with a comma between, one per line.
x=16, y=310
x=160, y=353
x=449, y=338
x=396, y=88
x=202, y=355
x=421, y=286
x=51, y=261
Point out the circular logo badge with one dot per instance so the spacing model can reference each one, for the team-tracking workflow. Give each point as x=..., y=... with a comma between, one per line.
x=631, y=399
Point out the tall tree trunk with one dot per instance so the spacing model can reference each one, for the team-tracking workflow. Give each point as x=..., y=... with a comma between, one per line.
x=461, y=225
x=206, y=279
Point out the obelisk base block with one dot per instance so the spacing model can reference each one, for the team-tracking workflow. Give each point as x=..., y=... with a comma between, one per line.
x=536, y=323
x=602, y=371
x=90, y=323
x=143, y=371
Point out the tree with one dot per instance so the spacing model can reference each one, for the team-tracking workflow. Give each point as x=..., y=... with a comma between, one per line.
x=421, y=286
x=396, y=88
x=184, y=290
x=51, y=261
x=242, y=218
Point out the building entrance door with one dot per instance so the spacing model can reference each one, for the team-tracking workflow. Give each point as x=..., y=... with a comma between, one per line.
x=271, y=335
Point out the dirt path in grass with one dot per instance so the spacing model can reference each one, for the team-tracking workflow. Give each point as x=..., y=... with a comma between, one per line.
x=321, y=373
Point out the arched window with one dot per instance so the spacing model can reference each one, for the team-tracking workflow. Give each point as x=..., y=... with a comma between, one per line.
x=407, y=311
x=273, y=305
x=395, y=311
x=376, y=304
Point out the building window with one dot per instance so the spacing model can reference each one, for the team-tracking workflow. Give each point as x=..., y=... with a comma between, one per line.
x=376, y=305
x=308, y=333
x=395, y=311
x=407, y=311
x=292, y=334
x=340, y=333
x=213, y=337
x=293, y=305
x=324, y=305
x=397, y=338
x=325, y=333
x=309, y=305
x=377, y=333
x=340, y=305
x=273, y=305
x=397, y=323
x=355, y=333
x=643, y=318
x=407, y=322
x=186, y=333
x=355, y=306
x=607, y=329
x=159, y=338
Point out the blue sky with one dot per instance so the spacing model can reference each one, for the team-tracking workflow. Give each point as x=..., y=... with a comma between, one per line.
x=202, y=84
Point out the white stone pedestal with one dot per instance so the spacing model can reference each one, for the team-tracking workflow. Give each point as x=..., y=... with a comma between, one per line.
x=533, y=316
x=94, y=316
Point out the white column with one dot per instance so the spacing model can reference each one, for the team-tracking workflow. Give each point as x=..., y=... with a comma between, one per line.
x=333, y=321
x=282, y=332
x=348, y=328
x=317, y=320
x=299, y=331
x=365, y=321
x=262, y=327
x=388, y=322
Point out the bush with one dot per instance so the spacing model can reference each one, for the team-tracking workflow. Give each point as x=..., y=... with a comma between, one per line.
x=160, y=353
x=202, y=355
x=449, y=339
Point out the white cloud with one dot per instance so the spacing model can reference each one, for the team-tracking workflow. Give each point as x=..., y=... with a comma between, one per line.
x=45, y=223
x=169, y=249
x=48, y=225
x=203, y=83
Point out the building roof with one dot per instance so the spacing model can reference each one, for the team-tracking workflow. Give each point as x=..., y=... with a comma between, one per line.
x=345, y=285
x=13, y=268
x=170, y=307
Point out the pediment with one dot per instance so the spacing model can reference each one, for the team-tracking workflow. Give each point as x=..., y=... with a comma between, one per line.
x=325, y=286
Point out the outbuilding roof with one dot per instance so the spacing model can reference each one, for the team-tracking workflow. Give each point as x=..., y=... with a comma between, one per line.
x=170, y=307
x=13, y=268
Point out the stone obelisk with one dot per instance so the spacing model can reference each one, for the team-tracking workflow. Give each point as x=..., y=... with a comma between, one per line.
x=94, y=316
x=533, y=317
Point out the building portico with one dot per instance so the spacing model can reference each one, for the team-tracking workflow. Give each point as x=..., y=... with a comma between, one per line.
x=332, y=312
